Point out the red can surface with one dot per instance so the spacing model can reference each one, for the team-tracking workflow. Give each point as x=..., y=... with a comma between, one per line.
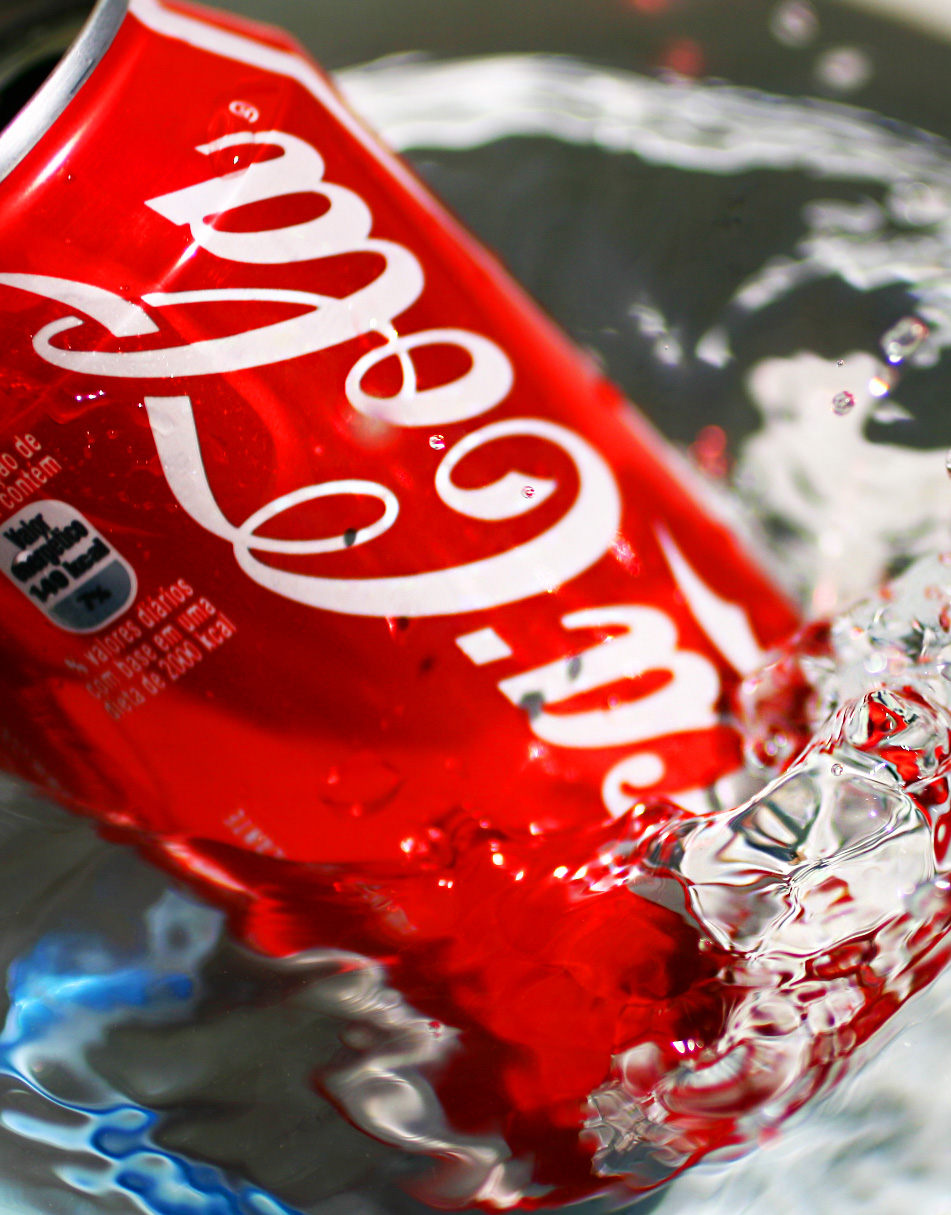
x=315, y=535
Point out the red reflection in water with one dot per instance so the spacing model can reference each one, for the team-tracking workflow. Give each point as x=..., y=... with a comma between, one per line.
x=650, y=7
x=709, y=451
x=684, y=56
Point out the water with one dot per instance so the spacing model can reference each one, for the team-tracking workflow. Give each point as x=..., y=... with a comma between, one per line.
x=148, y=1064
x=829, y=889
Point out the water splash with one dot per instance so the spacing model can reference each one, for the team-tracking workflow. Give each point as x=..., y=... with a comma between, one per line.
x=829, y=889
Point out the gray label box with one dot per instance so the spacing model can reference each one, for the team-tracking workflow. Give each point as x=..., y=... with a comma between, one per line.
x=65, y=566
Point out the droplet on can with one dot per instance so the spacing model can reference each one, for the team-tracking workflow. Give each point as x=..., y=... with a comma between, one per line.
x=533, y=704
x=836, y=769
x=904, y=338
x=947, y=463
x=437, y=442
x=528, y=491
x=842, y=403
x=840, y=363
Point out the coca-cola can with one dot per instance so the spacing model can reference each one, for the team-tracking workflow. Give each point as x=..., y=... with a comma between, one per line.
x=315, y=533
x=293, y=475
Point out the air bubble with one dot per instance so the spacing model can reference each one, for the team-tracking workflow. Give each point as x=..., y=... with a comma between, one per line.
x=840, y=363
x=437, y=442
x=903, y=339
x=918, y=204
x=843, y=403
x=947, y=463
x=844, y=69
x=794, y=23
x=836, y=769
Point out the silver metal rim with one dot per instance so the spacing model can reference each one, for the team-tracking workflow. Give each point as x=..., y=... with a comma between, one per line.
x=62, y=85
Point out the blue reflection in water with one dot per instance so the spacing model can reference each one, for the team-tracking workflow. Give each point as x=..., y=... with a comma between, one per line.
x=64, y=995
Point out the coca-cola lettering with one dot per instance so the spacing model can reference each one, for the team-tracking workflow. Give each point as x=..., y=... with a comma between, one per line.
x=344, y=227
x=648, y=642
x=485, y=385
x=573, y=544
x=583, y=534
x=329, y=321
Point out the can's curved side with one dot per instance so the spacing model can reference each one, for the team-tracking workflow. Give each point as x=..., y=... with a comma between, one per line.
x=62, y=85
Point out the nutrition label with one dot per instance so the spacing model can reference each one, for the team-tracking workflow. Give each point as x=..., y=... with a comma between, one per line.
x=170, y=633
x=65, y=566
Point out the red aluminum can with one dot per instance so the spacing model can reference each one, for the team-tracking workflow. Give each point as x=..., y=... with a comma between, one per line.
x=315, y=535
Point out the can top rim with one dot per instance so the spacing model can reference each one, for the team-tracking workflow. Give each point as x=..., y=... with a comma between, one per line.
x=61, y=86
